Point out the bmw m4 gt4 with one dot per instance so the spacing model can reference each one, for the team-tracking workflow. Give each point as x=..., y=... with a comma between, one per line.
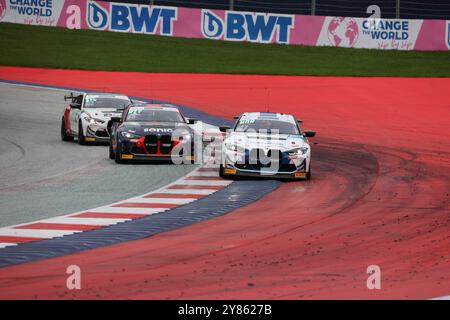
x=88, y=114
x=152, y=132
x=264, y=144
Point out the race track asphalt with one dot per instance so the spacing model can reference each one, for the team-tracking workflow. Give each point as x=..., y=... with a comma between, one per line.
x=42, y=176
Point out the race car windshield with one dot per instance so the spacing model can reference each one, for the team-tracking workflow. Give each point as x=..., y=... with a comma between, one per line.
x=106, y=102
x=143, y=114
x=269, y=126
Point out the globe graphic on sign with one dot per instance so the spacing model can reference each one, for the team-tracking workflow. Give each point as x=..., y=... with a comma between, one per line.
x=2, y=8
x=343, y=32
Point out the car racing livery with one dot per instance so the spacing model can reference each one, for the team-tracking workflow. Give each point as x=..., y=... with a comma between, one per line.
x=88, y=115
x=151, y=132
x=266, y=145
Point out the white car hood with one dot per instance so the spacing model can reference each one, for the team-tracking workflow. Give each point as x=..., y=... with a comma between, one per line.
x=104, y=114
x=252, y=140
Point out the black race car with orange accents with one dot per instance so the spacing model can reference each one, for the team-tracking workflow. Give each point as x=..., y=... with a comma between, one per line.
x=156, y=132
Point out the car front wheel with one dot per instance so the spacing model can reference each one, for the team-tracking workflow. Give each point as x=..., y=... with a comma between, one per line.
x=111, y=151
x=222, y=174
x=81, y=137
x=118, y=155
x=64, y=135
x=308, y=175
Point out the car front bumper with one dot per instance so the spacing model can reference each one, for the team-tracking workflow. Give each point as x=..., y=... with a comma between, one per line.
x=133, y=149
x=96, y=133
x=238, y=165
x=233, y=171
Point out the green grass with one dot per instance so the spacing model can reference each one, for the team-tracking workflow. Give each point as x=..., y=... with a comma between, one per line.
x=82, y=49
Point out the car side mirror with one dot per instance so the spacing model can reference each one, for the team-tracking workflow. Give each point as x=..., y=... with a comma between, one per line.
x=116, y=119
x=299, y=121
x=309, y=134
x=236, y=117
x=74, y=105
x=191, y=121
x=224, y=128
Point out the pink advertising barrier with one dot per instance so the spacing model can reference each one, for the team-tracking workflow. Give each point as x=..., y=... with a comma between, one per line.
x=372, y=33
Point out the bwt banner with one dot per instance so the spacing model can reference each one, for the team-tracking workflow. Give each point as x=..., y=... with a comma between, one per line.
x=398, y=34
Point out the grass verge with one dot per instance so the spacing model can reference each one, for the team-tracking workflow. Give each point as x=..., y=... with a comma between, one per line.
x=31, y=46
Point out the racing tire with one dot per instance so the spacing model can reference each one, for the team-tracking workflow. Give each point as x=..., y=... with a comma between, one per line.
x=118, y=156
x=111, y=151
x=308, y=175
x=64, y=135
x=222, y=174
x=81, y=137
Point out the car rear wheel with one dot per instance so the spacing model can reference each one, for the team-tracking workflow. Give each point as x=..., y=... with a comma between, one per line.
x=64, y=135
x=81, y=137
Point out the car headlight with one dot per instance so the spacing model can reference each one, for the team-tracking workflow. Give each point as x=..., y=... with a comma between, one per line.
x=299, y=151
x=88, y=119
x=186, y=137
x=91, y=120
x=231, y=146
x=304, y=150
x=129, y=135
x=182, y=138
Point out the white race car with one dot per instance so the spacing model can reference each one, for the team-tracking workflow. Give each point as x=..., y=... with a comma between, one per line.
x=266, y=144
x=88, y=114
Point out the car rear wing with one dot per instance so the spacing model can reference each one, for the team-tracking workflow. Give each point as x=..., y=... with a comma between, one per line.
x=71, y=97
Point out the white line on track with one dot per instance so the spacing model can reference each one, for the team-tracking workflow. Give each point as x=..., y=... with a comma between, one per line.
x=188, y=191
x=108, y=209
x=205, y=182
x=203, y=174
x=85, y=221
x=32, y=233
x=4, y=245
x=161, y=200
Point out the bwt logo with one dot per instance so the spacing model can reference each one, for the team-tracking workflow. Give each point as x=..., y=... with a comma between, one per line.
x=131, y=18
x=246, y=26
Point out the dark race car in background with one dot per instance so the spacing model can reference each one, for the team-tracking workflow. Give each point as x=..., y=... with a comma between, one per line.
x=156, y=132
x=88, y=114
